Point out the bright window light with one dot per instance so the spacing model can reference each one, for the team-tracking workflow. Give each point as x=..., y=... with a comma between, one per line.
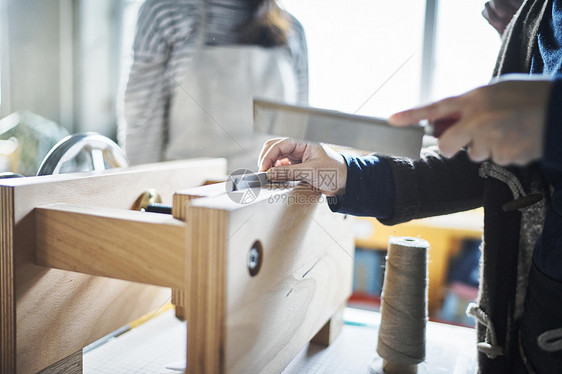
x=466, y=48
x=365, y=56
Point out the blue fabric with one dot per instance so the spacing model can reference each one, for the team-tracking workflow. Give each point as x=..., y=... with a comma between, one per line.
x=369, y=188
x=547, y=59
x=464, y=267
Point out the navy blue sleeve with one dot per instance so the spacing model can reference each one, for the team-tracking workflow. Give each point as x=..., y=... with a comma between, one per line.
x=552, y=158
x=369, y=188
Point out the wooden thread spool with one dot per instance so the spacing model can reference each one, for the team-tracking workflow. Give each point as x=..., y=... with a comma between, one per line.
x=401, y=343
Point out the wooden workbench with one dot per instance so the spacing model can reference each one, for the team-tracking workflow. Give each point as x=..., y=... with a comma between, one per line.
x=160, y=342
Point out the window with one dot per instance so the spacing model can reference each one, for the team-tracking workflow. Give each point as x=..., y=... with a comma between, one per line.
x=3, y=56
x=466, y=48
x=366, y=56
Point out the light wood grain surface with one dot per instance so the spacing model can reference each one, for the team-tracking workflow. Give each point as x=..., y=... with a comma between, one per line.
x=242, y=324
x=49, y=314
x=122, y=244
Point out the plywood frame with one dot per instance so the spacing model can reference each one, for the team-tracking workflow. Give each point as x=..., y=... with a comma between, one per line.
x=48, y=314
x=241, y=324
x=122, y=244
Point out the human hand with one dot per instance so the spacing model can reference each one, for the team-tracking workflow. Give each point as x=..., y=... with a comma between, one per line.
x=499, y=13
x=503, y=121
x=287, y=159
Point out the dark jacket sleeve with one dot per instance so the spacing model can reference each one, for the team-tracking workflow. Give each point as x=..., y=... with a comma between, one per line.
x=434, y=185
x=431, y=186
x=552, y=158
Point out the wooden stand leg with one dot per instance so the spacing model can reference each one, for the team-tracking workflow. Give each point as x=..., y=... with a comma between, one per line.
x=178, y=301
x=68, y=365
x=330, y=330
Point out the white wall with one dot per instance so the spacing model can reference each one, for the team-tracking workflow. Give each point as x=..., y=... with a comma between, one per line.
x=98, y=65
x=33, y=62
x=61, y=60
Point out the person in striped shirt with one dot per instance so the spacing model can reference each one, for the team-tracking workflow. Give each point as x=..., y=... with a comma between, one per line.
x=197, y=66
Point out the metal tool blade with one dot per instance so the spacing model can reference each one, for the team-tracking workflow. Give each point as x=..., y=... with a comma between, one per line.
x=327, y=126
x=248, y=179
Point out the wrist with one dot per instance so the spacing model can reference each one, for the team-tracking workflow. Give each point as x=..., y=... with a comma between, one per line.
x=341, y=176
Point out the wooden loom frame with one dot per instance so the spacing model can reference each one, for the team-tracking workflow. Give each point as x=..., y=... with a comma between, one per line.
x=78, y=264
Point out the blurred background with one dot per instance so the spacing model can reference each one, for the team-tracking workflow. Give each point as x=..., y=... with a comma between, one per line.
x=65, y=59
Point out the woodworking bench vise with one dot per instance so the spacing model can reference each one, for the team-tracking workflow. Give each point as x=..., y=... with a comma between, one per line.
x=255, y=281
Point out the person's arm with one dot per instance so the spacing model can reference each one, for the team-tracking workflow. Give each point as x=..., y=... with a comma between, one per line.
x=348, y=180
x=433, y=185
x=369, y=188
x=392, y=189
x=161, y=27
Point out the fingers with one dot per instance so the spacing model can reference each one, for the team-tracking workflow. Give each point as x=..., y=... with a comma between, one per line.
x=454, y=139
x=294, y=160
x=323, y=168
x=481, y=140
x=266, y=147
x=475, y=132
x=280, y=148
x=449, y=109
x=289, y=173
x=479, y=151
x=440, y=109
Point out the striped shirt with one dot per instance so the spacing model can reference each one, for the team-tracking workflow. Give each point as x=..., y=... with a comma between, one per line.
x=166, y=38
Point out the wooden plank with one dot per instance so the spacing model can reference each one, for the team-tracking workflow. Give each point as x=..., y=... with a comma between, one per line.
x=7, y=297
x=122, y=244
x=179, y=208
x=48, y=314
x=68, y=365
x=330, y=330
x=241, y=323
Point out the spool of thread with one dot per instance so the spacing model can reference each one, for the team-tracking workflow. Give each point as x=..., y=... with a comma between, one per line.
x=401, y=343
